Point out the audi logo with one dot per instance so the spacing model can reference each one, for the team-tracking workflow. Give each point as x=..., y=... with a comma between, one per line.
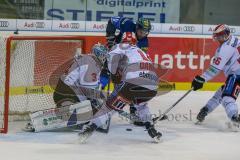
x=40, y=24
x=232, y=30
x=4, y=23
x=189, y=28
x=152, y=27
x=75, y=25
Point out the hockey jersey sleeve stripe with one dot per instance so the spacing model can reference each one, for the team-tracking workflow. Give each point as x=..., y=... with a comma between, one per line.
x=116, y=21
x=210, y=73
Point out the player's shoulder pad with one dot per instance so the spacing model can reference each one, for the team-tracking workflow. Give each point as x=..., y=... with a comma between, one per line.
x=229, y=46
x=224, y=52
x=88, y=59
x=124, y=24
x=116, y=21
x=119, y=48
x=127, y=25
x=233, y=42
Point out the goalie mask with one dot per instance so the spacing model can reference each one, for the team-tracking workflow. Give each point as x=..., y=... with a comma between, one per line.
x=221, y=33
x=100, y=51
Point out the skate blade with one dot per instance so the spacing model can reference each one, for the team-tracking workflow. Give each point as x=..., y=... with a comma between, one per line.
x=28, y=128
x=198, y=123
x=232, y=126
x=157, y=139
x=83, y=138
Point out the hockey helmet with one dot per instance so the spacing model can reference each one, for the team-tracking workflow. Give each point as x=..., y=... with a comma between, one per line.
x=144, y=25
x=100, y=51
x=221, y=32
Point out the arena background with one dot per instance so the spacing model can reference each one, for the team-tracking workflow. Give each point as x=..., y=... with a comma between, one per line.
x=180, y=37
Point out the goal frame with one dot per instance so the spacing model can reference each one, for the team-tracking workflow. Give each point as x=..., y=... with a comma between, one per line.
x=4, y=128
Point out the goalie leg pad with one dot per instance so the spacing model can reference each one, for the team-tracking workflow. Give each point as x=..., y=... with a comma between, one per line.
x=56, y=118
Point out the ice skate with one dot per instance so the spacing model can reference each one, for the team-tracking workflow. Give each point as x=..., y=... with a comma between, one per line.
x=153, y=133
x=86, y=132
x=29, y=127
x=201, y=115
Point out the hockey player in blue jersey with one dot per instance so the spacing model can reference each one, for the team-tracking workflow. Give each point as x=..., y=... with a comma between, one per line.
x=141, y=29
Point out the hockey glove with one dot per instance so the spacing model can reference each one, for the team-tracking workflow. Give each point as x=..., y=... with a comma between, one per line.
x=197, y=83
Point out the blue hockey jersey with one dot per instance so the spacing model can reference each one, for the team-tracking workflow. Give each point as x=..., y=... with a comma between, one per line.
x=127, y=25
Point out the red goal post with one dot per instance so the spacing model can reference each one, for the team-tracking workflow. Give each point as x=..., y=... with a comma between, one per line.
x=26, y=62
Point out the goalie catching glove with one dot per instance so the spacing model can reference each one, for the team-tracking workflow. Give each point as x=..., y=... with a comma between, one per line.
x=198, y=82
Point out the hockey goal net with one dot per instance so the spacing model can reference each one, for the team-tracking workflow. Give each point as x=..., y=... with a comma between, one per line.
x=30, y=66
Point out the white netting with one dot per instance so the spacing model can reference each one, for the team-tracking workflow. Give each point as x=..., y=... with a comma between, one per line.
x=33, y=63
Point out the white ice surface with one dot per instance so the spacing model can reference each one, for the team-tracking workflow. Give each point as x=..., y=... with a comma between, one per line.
x=182, y=140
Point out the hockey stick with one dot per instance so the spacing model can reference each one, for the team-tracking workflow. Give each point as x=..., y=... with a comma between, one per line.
x=170, y=108
x=108, y=87
x=109, y=117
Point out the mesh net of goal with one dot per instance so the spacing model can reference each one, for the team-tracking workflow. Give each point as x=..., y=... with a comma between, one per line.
x=35, y=66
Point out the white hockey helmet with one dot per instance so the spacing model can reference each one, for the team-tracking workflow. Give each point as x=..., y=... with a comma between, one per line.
x=100, y=51
x=221, y=33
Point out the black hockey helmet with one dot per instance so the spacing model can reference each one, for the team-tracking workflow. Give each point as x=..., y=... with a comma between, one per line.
x=143, y=24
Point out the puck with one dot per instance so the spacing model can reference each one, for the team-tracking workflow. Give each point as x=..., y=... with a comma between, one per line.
x=128, y=129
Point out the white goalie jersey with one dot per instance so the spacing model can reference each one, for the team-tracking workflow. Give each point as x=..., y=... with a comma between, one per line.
x=84, y=71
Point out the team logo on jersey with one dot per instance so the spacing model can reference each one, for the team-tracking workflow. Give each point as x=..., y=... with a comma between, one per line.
x=148, y=76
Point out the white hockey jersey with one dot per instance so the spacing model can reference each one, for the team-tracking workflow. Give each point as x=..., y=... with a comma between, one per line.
x=133, y=65
x=226, y=59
